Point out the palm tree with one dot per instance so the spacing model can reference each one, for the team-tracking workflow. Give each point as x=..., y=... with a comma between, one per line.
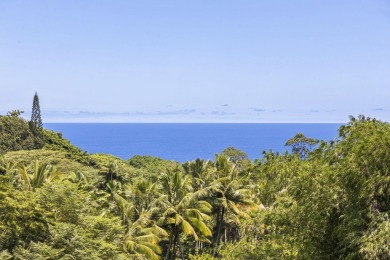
x=184, y=213
x=77, y=177
x=144, y=194
x=42, y=173
x=142, y=235
x=200, y=172
x=143, y=238
x=229, y=194
x=112, y=180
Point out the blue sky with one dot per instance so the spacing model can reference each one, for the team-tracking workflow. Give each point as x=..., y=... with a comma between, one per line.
x=196, y=61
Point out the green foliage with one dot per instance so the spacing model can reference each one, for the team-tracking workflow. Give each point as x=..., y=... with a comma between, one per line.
x=5, y=255
x=76, y=231
x=332, y=202
x=63, y=201
x=202, y=257
x=151, y=163
x=149, y=167
x=40, y=251
x=240, y=158
x=375, y=243
x=15, y=134
x=22, y=219
x=57, y=159
x=333, y=205
x=42, y=173
x=54, y=141
x=85, y=241
x=201, y=173
x=234, y=154
x=364, y=176
x=230, y=193
x=184, y=212
x=35, y=123
x=105, y=159
x=301, y=144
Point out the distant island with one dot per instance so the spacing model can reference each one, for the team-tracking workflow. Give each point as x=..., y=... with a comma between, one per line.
x=322, y=200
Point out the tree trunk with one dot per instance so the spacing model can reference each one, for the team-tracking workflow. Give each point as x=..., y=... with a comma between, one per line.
x=196, y=247
x=169, y=248
x=174, y=247
x=219, y=230
x=181, y=248
x=220, y=226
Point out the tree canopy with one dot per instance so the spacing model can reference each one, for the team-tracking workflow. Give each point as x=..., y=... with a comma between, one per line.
x=36, y=119
x=324, y=200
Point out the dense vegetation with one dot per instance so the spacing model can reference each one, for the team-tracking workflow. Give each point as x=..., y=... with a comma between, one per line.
x=322, y=201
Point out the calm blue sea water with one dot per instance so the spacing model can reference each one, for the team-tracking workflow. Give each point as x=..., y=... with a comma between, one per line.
x=182, y=142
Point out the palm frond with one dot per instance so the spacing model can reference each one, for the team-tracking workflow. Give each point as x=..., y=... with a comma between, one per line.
x=201, y=226
x=146, y=251
x=26, y=179
x=188, y=229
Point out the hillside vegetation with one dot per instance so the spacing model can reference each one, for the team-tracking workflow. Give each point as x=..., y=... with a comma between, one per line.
x=322, y=201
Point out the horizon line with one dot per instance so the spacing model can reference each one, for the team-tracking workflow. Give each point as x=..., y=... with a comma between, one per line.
x=287, y=122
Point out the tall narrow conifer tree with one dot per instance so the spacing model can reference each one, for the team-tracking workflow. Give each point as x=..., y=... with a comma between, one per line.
x=36, y=119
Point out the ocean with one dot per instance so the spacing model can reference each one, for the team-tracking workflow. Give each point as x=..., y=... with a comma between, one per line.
x=186, y=142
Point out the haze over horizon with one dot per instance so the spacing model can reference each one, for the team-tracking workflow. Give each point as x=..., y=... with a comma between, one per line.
x=196, y=61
